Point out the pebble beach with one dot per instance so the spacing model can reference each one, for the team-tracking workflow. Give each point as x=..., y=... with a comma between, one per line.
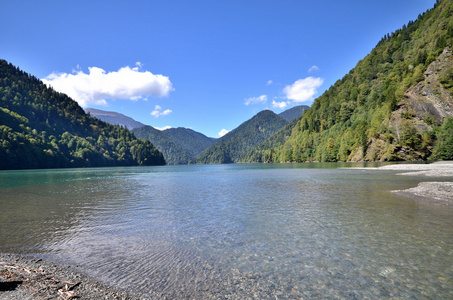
x=31, y=278
x=439, y=191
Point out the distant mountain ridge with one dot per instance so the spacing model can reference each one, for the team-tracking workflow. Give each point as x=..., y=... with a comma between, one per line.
x=233, y=146
x=294, y=112
x=190, y=140
x=178, y=145
x=186, y=146
x=173, y=152
x=114, y=118
x=263, y=151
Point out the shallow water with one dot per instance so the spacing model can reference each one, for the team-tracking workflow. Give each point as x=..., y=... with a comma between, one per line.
x=235, y=231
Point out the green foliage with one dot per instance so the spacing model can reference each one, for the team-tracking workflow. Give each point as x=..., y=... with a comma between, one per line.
x=447, y=79
x=351, y=120
x=173, y=153
x=235, y=146
x=443, y=148
x=294, y=112
x=41, y=128
x=191, y=141
x=263, y=152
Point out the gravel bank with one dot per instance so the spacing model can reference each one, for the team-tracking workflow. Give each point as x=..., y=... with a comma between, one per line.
x=438, y=192
x=437, y=169
x=27, y=278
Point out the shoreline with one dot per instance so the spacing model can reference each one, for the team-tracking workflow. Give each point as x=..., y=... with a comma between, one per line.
x=439, y=191
x=25, y=277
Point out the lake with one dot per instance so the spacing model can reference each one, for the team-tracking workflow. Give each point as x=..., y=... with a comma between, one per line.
x=280, y=231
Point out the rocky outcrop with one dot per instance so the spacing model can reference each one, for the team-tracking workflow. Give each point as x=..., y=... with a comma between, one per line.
x=424, y=106
x=429, y=102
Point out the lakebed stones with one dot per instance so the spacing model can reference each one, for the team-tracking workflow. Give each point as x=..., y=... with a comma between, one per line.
x=28, y=278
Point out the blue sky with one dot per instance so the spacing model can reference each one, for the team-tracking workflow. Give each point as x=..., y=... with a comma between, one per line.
x=205, y=65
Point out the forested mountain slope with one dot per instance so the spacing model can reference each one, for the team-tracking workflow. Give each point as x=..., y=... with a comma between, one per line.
x=294, y=112
x=114, y=118
x=41, y=128
x=396, y=104
x=190, y=140
x=178, y=145
x=233, y=146
x=263, y=152
x=173, y=153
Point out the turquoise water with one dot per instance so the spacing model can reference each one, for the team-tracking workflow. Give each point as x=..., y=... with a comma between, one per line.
x=285, y=231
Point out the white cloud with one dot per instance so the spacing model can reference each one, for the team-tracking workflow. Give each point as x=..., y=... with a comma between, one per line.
x=303, y=89
x=269, y=82
x=163, y=128
x=98, y=86
x=280, y=105
x=256, y=100
x=223, y=132
x=157, y=112
x=313, y=69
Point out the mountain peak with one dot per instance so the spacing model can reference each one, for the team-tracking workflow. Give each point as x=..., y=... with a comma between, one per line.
x=292, y=113
x=114, y=118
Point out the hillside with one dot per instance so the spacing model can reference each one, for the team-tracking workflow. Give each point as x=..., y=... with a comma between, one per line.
x=178, y=145
x=41, y=128
x=190, y=140
x=233, y=146
x=396, y=104
x=114, y=118
x=294, y=112
x=263, y=152
x=173, y=153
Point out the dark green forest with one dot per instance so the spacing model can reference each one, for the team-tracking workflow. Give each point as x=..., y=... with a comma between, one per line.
x=190, y=140
x=233, y=146
x=294, y=112
x=264, y=151
x=41, y=128
x=178, y=145
x=396, y=104
x=173, y=152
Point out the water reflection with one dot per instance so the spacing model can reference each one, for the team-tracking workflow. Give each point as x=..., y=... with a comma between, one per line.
x=291, y=231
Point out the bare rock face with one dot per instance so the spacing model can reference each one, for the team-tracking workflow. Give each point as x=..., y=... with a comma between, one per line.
x=429, y=101
x=424, y=106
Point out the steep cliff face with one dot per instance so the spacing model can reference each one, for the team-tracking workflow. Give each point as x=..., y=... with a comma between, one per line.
x=429, y=102
x=425, y=106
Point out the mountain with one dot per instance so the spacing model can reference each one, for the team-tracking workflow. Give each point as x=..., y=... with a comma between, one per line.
x=191, y=141
x=294, y=112
x=395, y=104
x=178, y=145
x=263, y=152
x=114, y=118
x=238, y=142
x=173, y=153
x=41, y=128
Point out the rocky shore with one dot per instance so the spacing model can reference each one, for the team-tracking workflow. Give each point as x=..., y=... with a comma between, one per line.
x=438, y=191
x=27, y=278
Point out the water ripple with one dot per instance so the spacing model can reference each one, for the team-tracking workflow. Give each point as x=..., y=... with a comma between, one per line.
x=239, y=231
